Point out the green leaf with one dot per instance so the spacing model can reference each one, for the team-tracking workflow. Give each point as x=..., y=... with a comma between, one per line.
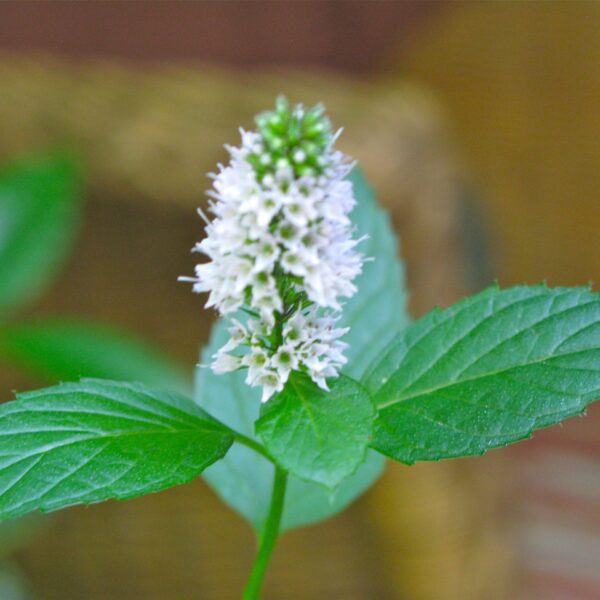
x=378, y=311
x=39, y=209
x=243, y=478
x=13, y=585
x=486, y=372
x=316, y=435
x=94, y=440
x=68, y=349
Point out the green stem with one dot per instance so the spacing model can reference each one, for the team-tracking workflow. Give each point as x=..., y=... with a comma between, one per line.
x=268, y=537
x=250, y=443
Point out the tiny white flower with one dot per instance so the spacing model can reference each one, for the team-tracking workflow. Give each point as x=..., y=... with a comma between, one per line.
x=259, y=329
x=238, y=335
x=250, y=204
x=319, y=379
x=291, y=263
x=264, y=252
x=295, y=330
x=297, y=214
x=285, y=360
x=266, y=210
x=257, y=362
x=271, y=384
x=224, y=363
x=254, y=230
x=267, y=304
x=287, y=234
x=240, y=274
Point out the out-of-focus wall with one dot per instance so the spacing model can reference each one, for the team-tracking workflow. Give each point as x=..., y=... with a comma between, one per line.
x=522, y=82
x=349, y=36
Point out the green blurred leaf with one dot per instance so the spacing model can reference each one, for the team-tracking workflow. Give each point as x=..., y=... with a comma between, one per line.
x=39, y=209
x=318, y=436
x=311, y=503
x=94, y=440
x=68, y=349
x=486, y=372
x=243, y=478
x=378, y=311
x=13, y=585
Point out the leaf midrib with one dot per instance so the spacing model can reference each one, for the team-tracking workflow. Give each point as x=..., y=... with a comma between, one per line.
x=493, y=314
x=168, y=425
x=434, y=389
x=160, y=412
x=48, y=448
x=311, y=416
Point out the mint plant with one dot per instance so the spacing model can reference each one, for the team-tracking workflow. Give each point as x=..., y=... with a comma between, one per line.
x=314, y=373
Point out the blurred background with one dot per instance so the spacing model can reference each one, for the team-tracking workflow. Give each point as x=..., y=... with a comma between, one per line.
x=478, y=124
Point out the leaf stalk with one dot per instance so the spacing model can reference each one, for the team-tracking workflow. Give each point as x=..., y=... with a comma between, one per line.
x=253, y=445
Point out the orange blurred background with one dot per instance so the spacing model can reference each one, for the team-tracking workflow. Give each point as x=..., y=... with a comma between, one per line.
x=516, y=88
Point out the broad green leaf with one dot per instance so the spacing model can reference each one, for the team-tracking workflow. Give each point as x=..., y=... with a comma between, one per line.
x=318, y=436
x=486, y=372
x=64, y=350
x=94, y=440
x=243, y=478
x=39, y=209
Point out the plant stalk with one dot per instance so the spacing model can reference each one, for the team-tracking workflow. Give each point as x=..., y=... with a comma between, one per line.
x=268, y=537
x=252, y=444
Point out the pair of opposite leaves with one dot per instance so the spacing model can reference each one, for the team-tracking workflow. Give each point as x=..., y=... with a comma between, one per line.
x=481, y=374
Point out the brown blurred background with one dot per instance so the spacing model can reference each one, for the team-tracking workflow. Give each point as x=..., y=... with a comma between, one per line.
x=478, y=124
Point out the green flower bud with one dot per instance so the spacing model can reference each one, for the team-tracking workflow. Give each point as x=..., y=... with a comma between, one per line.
x=295, y=137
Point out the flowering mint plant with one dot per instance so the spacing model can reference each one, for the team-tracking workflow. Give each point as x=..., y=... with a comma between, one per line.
x=301, y=264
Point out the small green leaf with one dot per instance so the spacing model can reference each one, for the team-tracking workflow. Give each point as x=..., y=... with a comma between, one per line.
x=243, y=478
x=318, y=436
x=39, y=209
x=311, y=503
x=68, y=349
x=486, y=372
x=94, y=440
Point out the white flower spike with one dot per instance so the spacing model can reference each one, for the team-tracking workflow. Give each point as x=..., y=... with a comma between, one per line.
x=280, y=248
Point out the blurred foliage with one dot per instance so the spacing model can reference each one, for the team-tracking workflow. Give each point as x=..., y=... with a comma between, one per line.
x=39, y=215
x=12, y=583
x=40, y=209
x=67, y=349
